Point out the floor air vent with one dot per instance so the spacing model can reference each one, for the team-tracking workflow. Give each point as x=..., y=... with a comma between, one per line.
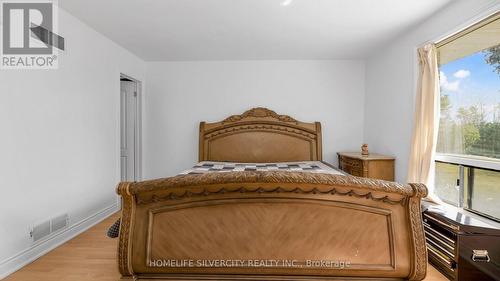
x=45, y=228
x=59, y=222
x=40, y=230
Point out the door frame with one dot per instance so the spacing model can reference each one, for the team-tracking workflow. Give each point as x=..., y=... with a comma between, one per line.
x=137, y=129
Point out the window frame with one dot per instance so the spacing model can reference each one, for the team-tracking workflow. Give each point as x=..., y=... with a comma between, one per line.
x=466, y=166
x=469, y=160
x=471, y=28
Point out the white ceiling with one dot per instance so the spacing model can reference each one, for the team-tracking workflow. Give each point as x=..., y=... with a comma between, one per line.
x=158, y=30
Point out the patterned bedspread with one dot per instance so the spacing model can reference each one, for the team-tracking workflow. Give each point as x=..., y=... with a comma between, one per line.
x=303, y=166
x=222, y=167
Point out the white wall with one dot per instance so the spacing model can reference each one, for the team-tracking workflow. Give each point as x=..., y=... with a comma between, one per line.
x=59, y=146
x=181, y=94
x=391, y=74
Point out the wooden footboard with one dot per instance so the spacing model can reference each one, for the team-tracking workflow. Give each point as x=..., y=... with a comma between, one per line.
x=271, y=226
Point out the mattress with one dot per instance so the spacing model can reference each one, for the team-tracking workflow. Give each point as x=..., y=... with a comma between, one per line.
x=224, y=167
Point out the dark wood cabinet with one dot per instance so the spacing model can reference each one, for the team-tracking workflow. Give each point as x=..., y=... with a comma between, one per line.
x=460, y=245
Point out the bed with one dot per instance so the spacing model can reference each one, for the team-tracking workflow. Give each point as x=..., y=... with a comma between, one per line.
x=261, y=205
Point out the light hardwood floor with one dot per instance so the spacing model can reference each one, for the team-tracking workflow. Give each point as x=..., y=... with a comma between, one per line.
x=92, y=256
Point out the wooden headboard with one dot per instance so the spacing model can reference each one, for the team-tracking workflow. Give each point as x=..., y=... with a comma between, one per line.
x=260, y=135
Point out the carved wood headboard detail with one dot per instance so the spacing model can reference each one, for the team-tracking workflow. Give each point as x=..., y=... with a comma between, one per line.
x=260, y=135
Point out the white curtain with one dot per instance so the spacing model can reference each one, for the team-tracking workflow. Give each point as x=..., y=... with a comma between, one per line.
x=426, y=120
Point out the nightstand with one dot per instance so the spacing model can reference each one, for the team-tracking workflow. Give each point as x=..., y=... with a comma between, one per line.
x=375, y=166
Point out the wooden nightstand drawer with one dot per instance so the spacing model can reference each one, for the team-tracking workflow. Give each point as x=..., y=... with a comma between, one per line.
x=372, y=166
x=351, y=166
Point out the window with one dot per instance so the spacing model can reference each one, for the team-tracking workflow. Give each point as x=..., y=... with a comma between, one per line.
x=447, y=179
x=467, y=170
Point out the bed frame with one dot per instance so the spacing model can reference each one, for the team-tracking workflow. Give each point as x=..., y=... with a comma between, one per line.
x=269, y=225
x=260, y=135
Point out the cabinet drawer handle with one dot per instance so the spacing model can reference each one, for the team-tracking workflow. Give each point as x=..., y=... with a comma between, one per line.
x=480, y=255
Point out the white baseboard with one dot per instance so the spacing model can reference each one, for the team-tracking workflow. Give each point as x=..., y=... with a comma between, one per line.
x=16, y=262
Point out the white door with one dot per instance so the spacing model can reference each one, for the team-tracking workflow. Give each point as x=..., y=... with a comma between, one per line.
x=128, y=136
